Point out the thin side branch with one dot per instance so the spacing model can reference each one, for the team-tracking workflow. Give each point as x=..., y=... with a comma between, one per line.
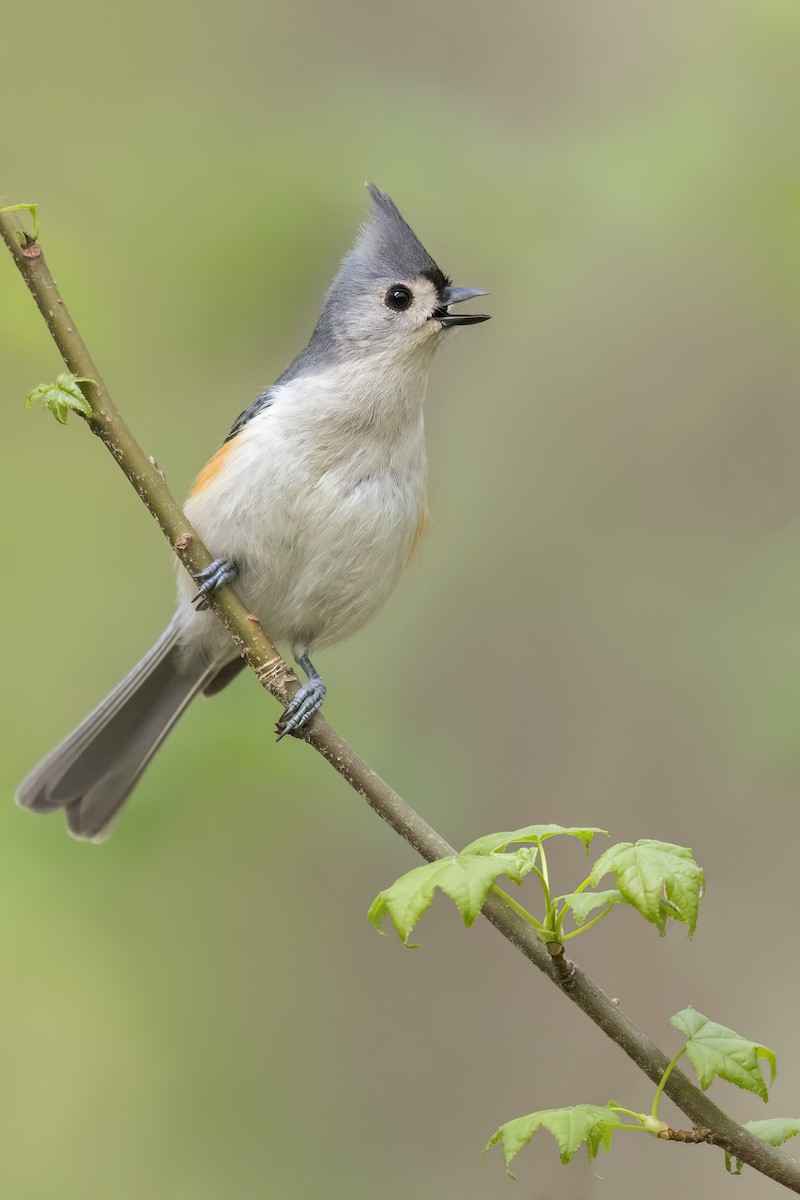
x=278, y=679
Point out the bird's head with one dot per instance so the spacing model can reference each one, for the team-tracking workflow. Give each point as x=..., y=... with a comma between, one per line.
x=389, y=295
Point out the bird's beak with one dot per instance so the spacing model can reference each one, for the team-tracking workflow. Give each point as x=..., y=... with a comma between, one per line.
x=457, y=295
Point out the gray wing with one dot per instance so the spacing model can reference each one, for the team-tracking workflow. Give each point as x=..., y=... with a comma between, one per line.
x=259, y=404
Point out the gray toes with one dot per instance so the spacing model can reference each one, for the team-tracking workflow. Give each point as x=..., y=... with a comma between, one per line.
x=303, y=707
x=215, y=576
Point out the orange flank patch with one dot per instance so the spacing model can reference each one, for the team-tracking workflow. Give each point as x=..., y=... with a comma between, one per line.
x=212, y=468
x=420, y=531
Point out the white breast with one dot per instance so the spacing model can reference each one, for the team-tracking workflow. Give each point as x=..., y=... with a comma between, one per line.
x=317, y=502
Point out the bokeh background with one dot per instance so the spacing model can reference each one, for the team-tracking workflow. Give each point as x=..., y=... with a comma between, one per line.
x=604, y=626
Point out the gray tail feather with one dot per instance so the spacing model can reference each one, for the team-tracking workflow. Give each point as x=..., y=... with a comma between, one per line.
x=93, y=771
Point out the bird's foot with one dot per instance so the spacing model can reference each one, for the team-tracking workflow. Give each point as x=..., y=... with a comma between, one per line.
x=302, y=708
x=215, y=576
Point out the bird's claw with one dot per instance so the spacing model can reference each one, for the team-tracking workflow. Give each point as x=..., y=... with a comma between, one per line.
x=215, y=576
x=302, y=708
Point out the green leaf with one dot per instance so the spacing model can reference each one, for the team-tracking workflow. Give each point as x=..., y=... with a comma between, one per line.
x=571, y=1127
x=583, y=904
x=657, y=878
x=493, y=842
x=775, y=1130
x=61, y=397
x=29, y=208
x=466, y=879
x=715, y=1050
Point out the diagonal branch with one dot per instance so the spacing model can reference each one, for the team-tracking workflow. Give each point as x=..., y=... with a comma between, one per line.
x=279, y=680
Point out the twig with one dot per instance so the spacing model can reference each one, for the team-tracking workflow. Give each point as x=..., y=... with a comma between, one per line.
x=275, y=675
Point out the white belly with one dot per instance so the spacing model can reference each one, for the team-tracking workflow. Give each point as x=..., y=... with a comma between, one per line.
x=320, y=526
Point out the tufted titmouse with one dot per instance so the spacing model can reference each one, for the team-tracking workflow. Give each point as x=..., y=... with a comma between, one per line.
x=313, y=504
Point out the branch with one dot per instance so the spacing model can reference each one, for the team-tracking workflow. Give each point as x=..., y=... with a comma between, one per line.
x=279, y=680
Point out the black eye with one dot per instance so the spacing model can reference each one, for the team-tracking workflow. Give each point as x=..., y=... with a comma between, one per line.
x=398, y=298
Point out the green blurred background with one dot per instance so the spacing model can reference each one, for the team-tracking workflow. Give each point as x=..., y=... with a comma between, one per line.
x=604, y=626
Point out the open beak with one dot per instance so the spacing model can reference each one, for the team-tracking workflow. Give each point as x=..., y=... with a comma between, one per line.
x=457, y=295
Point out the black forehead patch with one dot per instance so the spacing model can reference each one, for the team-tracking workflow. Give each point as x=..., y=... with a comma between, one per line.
x=439, y=280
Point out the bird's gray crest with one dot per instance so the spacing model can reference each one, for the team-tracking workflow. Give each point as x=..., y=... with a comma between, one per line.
x=387, y=247
x=386, y=251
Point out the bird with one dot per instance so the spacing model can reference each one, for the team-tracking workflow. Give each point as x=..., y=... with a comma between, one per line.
x=313, y=506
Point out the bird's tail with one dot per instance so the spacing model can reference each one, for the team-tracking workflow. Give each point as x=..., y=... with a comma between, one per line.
x=93, y=771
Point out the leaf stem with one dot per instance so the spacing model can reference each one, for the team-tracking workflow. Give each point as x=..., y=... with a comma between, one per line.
x=544, y=874
x=523, y=912
x=545, y=886
x=588, y=924
x=619, y=1108
x=664, y=1078
x=582, y=887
